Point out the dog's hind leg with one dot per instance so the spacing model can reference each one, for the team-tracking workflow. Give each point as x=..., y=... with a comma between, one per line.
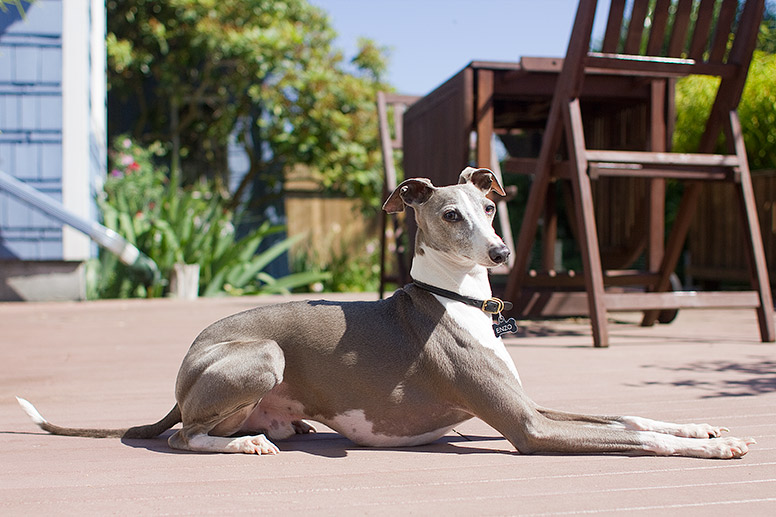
x=203, y=442
x=218, y=388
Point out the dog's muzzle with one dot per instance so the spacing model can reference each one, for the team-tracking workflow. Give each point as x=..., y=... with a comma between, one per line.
x=498, y=254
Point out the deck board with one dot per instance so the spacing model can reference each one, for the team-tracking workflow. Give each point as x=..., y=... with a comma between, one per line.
x=113, y=363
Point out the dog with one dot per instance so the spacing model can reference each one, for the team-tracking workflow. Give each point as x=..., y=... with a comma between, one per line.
x=397, y=372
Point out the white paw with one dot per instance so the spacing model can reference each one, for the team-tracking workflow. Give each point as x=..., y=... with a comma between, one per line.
x=729, y=447
x=700, y=431
x=255, y=445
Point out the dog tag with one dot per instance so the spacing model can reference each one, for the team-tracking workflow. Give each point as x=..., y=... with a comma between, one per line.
x=504, y=326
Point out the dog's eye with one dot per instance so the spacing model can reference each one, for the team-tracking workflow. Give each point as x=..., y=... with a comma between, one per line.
x=489, y=209
x=452, y=216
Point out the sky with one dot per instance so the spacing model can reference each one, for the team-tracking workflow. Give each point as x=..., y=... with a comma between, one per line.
x=429, y=41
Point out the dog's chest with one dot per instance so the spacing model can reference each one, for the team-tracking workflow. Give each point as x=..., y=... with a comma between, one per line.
x=480, y=326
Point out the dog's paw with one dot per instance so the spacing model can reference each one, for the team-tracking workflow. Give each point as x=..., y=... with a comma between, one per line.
x=302, y=427
x=255, y=445
x=718, y=448
x=700, y=431
x=728, y=447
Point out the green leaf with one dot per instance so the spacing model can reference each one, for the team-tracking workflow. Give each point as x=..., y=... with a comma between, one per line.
x=285, y=284
x=262, y=260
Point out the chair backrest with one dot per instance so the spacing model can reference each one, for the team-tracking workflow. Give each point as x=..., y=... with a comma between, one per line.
x=677, y=28
x=669, y=38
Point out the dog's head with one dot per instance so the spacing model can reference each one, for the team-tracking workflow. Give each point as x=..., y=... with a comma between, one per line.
x=456, y=220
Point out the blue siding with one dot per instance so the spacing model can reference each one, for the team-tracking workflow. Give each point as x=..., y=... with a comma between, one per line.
x=6, y=67
x=31, y=126
x=50, y=161
x=26, y=61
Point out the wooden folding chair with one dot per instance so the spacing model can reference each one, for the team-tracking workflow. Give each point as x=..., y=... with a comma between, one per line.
x=391, y=141
x=656, y=41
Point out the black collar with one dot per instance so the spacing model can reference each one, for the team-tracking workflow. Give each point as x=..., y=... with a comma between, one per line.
x=491, y=305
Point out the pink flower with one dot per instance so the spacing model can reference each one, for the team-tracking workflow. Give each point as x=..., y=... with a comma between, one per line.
x=126, y=159
x=116, y=173
x=126, y=143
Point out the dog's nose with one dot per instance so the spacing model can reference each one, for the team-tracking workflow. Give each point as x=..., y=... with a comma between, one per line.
x=499, y=254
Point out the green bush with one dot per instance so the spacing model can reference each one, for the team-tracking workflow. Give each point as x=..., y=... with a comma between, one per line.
x=192, y=225
x=757, y=111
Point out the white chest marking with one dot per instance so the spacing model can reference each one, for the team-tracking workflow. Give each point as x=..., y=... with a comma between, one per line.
x=480, y=325
x=354, y=425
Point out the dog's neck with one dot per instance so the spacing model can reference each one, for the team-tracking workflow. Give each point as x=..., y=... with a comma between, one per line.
x=440, y=269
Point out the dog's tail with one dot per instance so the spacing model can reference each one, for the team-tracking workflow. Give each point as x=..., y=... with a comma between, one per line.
x=141, y=431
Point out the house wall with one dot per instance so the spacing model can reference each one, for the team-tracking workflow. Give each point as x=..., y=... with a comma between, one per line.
x=52, y=131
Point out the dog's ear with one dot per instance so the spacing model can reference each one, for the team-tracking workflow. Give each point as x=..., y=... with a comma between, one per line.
x=413, y=191
x=483, y=179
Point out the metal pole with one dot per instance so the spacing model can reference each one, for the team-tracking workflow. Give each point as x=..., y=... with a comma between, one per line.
x=127, y=253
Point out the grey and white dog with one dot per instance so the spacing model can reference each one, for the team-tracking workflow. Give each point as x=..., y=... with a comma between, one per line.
x=396, y=372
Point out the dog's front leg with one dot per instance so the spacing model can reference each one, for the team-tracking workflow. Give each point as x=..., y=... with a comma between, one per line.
x=685, y=430
x=636, y=423
x=508, y=409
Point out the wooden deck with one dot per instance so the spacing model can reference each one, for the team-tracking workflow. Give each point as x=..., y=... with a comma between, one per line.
x=114, y=363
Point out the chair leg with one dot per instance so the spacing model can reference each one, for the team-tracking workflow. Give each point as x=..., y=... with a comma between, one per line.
x=588, y=243
x=550, y=236
x=758, y=268
x=535, y=204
